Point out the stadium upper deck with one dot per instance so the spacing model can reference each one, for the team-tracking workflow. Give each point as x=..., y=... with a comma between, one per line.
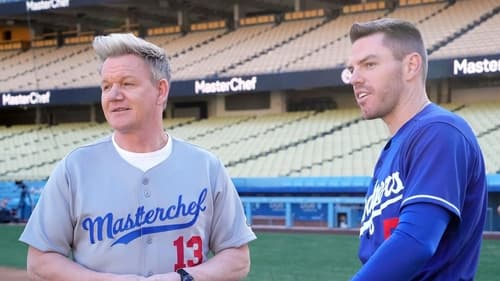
x=293, y=63
x=308, y=44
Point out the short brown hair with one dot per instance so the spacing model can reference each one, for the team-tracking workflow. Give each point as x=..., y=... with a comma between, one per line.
x=402, y=37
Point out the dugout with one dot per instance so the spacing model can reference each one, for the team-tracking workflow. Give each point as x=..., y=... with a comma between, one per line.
x=303, y=201
x=322, y=201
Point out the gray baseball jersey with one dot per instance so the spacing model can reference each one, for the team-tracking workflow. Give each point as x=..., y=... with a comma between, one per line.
x=115, y=218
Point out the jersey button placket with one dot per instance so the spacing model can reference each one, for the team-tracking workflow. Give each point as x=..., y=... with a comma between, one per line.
x=144, y=194
x=147, y=192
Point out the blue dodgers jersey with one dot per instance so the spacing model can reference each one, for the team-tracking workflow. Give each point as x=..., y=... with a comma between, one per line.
x=434, y=158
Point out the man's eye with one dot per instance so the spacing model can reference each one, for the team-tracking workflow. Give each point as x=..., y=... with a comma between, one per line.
x=370, y=64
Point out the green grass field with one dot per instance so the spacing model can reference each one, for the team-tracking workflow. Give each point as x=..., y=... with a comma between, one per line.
x=283, y=257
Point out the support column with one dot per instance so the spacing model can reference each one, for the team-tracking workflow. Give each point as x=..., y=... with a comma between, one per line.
x=331, y=215
x=180, y=18
x=298, y=5
x=92, y=116
x=236, y=15
x=38, y=115
x=183, y=20
x=78, y=28
x=248, y=209
x=127, y=24
x=288, y=214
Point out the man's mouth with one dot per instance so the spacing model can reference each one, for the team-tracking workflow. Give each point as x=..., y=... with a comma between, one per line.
x=362, y=95
x=120, y=109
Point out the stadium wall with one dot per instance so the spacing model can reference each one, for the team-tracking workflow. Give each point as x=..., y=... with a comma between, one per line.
x=469, y=95
x=291, y=201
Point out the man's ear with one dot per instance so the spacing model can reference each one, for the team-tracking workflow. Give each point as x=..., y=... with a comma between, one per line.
x=163, y=89
x=412, y=66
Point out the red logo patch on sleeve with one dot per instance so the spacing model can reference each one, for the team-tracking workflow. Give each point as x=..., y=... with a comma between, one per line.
x=389, y=225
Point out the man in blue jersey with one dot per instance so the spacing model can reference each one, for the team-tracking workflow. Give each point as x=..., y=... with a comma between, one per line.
x=425, y=207
x=139, y=204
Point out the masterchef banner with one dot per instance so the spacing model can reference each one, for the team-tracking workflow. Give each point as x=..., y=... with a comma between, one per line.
x=231, y=85
x=476, y=66
x=46, y=5
x=52, y=97
x=32, y=98
x=19, y=7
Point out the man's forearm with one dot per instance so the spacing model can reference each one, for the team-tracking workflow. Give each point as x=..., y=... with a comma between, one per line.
x=49, y=266
x=228, y=265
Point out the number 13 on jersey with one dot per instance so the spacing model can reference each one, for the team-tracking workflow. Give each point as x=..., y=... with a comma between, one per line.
x=194, y=244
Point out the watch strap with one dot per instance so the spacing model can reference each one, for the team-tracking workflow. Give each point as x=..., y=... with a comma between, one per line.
x=185, y=276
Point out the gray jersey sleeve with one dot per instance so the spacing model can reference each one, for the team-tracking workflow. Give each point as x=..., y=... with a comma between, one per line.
x=229, y=225
x=50, y=227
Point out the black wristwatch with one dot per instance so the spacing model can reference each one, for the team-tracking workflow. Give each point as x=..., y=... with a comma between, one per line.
x=185, y=276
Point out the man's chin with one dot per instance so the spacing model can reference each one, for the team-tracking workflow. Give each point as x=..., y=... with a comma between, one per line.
x=368, y=116
x=120, y=127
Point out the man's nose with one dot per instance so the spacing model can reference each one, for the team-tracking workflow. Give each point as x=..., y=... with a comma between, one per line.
x=356, y=77
x=115, y=92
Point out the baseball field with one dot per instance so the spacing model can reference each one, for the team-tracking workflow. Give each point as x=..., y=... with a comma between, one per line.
x=275, y=256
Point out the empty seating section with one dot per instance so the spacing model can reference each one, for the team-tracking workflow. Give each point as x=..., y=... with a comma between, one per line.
x=351, y=150
x=327, y=46
x=274, y=59
x=16, y=70
x=198, y=130
x=272, y=38
x=476, y=42
x=454, y=18
x=184, y=65
x=164, y=40
x=418, y=13
x=307, y=143
x=329, y=143
x=5, y=56
x=249, y=127
x=289, y=46
x=175, y=122
x=31, y=152
x=281, y=137
x=191, y=40
x=80, y=71
x=484, y=119
x=251, y=130
x=48, y=68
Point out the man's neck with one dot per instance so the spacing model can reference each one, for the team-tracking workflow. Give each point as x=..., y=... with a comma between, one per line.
x=406, y=110
x=141, y=143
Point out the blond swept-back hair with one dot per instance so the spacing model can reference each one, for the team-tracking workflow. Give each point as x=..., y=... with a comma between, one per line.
x=118, y=44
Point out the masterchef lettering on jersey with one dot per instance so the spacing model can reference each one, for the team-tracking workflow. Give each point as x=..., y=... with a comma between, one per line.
x=385, y=193
x=134, y=225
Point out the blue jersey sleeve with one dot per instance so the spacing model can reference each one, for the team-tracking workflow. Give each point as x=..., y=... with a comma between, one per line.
x=438, y=163
x=411, y=245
